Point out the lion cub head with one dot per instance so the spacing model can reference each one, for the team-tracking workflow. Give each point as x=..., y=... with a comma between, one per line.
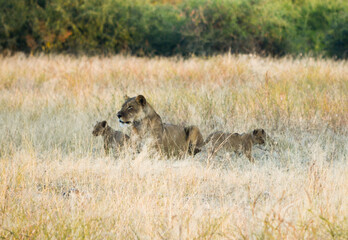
x=132, y=109
x=99, y=128
x=259, y=136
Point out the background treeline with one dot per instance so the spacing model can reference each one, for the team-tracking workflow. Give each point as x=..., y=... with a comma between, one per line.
x=201, y=27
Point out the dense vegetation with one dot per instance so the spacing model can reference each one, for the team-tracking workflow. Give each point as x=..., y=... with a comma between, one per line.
x=202, y=27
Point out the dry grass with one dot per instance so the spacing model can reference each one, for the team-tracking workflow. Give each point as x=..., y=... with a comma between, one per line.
x=49, y=104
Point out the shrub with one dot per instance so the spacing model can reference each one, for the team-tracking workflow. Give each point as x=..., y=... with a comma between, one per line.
x=166, y=27
x=337, y=37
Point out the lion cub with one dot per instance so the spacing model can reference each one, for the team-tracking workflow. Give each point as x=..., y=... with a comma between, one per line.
x=112, y=139
x=237, y=142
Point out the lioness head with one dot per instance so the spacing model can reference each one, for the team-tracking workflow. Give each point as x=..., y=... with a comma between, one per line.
x=132, y=109
x=99, y=128
x=259, y=136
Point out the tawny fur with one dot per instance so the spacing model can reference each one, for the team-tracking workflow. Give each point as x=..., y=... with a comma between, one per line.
x=112, y=139
x=146, y=123
x=235, y=142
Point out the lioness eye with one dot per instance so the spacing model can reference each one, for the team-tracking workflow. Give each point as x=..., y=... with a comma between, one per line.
x=130, y=107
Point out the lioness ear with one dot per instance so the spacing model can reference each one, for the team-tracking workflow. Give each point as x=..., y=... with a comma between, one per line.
x=104, y=124
x=262, y=131
x=255, y=132
x=125, y=97
x=141, y=99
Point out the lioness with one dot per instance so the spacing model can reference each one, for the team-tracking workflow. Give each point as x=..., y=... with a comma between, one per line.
x=112, y=139
x=236, y=142
x=146, y=123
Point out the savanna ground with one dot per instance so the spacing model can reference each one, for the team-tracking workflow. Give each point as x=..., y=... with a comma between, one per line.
x=298, y=190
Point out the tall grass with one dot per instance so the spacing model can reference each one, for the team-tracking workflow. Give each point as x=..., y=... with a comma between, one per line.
x=49, y=104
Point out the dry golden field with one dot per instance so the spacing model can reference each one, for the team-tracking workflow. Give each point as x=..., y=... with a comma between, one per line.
x=297, y=190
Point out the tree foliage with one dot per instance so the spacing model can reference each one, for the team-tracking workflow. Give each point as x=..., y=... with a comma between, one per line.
x=201, y=27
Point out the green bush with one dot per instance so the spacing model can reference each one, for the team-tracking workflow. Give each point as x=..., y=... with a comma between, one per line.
x=337, y=37
x=314, y=22
x=13, y=25
x=201, y=27
x=216, y=26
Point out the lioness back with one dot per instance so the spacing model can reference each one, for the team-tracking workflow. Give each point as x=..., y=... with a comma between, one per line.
x=177, y=138
x=173, y=139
